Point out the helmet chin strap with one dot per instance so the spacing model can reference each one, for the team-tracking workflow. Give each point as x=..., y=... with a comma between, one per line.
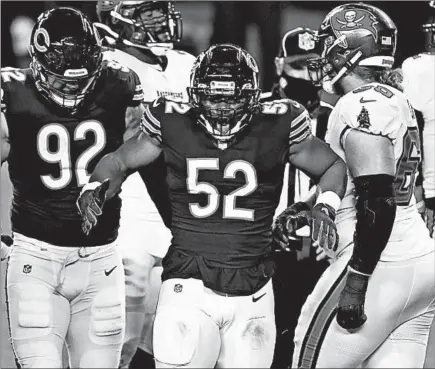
x=328, y=85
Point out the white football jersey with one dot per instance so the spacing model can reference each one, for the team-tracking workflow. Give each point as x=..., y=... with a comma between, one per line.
x=141, y=224
x=382, y=110
x=419, y=86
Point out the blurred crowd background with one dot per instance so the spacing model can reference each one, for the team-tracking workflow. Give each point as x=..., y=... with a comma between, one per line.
x=256, y=25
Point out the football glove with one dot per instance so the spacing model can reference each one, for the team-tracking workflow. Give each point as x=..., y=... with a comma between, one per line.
x=5, y=250
x=90, y=203
x=350, y=310
x=287, y=223
x=323, y=228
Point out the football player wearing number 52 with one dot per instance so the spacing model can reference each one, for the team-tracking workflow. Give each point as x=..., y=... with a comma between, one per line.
x=373, y=306
x=225, y=152
x=58, y=119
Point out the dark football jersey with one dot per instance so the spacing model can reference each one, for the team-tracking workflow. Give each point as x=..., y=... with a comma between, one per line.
x=53, y=153
x=223, y=201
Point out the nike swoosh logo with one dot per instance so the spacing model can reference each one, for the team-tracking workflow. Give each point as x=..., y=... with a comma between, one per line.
x=108, y=272
x=255, y=299
x=362, y=101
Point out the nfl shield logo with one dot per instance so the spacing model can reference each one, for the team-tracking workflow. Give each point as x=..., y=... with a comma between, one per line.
x=306, y=41
x=27, y=269
x=178, y=288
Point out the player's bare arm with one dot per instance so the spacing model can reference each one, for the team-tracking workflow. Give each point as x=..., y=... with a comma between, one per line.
x=5, y=145
x=111, y=172
x=370, y=159
x=316, y=159
x=133, y=116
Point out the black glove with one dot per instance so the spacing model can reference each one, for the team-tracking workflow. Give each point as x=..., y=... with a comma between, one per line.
x=323, y=228
x=287, y=223
x=90, y=204
x=5, y=250
x=350, y=310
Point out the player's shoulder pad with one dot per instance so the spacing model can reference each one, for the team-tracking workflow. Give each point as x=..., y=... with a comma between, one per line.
x=123, y=79
x=373, y=108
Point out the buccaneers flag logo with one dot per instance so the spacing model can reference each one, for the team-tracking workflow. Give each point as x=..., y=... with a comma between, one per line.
x=353, y=20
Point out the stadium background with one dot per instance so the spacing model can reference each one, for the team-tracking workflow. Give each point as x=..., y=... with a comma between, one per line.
x=258, y=26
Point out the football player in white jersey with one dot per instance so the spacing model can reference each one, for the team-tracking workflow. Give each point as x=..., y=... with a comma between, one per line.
x=419, y=86
x=141, y=35
x=374, y=305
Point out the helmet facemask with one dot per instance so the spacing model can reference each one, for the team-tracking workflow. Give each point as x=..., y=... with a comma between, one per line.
x=224, y=90
x=153, y=25
x=224, y=110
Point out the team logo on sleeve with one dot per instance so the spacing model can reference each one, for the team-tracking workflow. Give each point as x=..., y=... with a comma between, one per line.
x=354, y=20
x=363, y=118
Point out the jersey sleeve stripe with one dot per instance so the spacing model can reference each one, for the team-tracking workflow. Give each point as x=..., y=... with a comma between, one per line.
x=301, y=129
x=151, y=118
x=300, y=137
x=149, y=130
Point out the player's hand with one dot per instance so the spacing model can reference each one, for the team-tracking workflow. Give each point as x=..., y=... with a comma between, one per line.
x=350, y=310
x=7, y=242
x=323, y=229
x=287, y=223
x=90, y=203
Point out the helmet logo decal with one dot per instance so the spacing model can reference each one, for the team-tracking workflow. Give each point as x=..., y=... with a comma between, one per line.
x=46, y=37
x=306, y=41
x=354, y=20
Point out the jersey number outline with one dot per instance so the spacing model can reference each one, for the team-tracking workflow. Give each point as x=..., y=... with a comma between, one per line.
x=229, y=210
x=63, y=155
x=407, y=166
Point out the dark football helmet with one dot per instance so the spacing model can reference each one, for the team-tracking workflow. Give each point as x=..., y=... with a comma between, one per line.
x=66, y=56
x=350, y=35
x=224, y=90
x=154, y=25
x=429, y=28
x=293, y=81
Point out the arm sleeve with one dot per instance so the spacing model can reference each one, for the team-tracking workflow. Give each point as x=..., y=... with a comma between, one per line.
x=378, y=117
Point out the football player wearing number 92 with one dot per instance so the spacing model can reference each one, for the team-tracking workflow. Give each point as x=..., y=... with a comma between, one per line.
x=374, y=305
x=58, y=119
x=225, y=154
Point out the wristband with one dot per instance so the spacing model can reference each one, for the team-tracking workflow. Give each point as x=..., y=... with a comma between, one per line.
x=90, y=187
x=329, y=198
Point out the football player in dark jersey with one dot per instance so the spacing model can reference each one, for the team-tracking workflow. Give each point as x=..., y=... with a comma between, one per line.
x=58, y=119
x=225, y=153
x=142, y=35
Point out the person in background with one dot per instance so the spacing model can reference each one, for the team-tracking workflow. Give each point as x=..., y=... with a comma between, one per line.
x=292, y=81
